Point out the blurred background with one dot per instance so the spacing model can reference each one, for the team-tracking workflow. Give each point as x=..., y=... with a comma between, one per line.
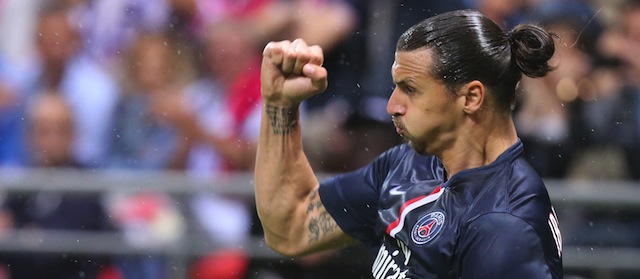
x=128, y=129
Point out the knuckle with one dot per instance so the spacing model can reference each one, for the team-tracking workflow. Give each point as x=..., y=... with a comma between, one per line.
x=292, y=49
x=317, y=52
x=304, y=56
x=268, y=48
x=316, y=48
x=272, y=48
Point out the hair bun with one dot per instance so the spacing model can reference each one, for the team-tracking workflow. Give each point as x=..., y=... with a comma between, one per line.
x=531, y=48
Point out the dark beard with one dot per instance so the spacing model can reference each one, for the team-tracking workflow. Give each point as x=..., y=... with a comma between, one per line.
x=417, y=148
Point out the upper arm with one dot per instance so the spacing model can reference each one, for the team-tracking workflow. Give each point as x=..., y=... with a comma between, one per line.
x=322, y=230
x=501, y=245
x=308, y=228
x=342, y=210
x=352, y=200
x=339, y=212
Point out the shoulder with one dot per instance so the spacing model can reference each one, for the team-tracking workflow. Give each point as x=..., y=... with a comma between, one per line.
x=526, y=190
x=395, y=154
x=526, y=201
x=514, y=189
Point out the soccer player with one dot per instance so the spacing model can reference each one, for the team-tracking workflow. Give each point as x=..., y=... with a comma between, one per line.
x=459, y=200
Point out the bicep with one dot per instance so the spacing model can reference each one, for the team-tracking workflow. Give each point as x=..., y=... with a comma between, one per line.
x=343, y=209
x=500, y=245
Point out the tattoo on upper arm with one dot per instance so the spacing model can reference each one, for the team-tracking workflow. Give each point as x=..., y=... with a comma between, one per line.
x=282, y=119
x=321, y=222
x=315, y=201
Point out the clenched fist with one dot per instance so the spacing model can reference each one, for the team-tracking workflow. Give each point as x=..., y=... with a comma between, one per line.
x=291, y=72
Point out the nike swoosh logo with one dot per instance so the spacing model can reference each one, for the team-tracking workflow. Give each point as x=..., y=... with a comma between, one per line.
x=395, y=191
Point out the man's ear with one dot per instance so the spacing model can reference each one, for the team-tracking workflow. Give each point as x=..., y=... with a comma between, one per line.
x=472, y=96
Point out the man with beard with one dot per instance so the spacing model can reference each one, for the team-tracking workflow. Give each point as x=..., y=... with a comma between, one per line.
x=459, y=200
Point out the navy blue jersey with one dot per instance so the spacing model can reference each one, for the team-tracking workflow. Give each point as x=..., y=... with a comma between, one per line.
x=494, y=221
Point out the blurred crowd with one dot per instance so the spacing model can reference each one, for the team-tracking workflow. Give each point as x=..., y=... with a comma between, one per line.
x=174, y=85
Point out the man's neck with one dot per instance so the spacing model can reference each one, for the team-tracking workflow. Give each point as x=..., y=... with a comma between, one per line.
x=479, y=146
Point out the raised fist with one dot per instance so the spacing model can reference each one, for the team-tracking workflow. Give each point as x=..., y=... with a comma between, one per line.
x=291, y=72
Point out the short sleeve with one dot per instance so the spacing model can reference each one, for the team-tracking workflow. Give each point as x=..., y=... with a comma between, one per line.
x=352, y=199
x=501, y=245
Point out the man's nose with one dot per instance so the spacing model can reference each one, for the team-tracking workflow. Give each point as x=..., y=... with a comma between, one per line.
x=395, y=105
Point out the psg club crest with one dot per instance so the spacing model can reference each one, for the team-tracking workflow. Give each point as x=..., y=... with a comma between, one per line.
x=427, y=227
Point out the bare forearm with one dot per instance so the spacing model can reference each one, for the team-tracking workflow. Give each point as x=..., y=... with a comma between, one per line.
x=284, y=177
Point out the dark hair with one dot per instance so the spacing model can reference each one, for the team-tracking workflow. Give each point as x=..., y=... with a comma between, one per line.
x=468, y=46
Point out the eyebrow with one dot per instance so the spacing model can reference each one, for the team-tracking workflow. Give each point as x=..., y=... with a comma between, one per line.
x=404, y=82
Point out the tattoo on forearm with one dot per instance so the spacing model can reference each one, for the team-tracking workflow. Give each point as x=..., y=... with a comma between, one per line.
x=282, y=119
x=320, y=224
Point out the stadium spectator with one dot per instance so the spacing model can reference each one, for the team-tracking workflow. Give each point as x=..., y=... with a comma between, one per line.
x=145, y=138
x=161, y=124
x=87, y=88
x=226, y=102
x=50, y=137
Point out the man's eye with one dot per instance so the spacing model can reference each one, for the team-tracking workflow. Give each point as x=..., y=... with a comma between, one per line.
x=410, y=89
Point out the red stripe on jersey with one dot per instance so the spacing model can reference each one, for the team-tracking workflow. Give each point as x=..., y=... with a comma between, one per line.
x=416, y=202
